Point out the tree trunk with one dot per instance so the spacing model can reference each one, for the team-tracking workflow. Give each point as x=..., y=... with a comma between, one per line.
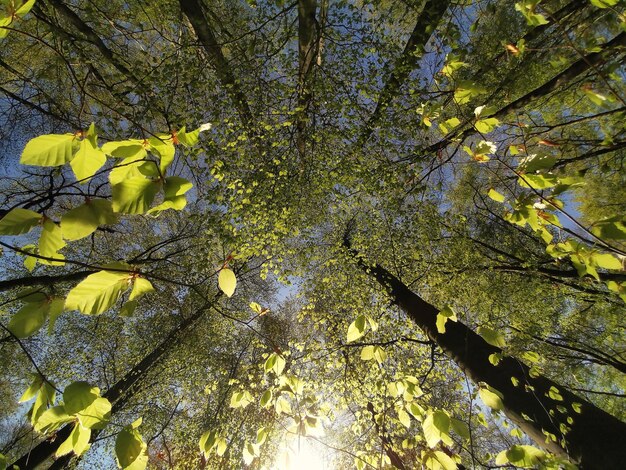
x=594, y=439
x=118, y=395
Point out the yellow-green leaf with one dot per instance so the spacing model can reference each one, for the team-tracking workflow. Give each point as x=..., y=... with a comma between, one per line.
x=99, y=291
x=227, y=281
x=19, y=221
x=48, y=150
x=134, y=195
x=87, y=161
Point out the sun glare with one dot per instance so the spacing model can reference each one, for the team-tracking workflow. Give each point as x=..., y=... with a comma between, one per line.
x=301, y=454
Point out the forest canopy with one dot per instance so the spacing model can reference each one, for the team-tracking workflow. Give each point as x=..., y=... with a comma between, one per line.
x=315, y=234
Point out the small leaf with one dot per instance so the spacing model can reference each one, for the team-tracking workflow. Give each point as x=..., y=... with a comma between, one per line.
x=32, y=390
x=48, y=150
x=436, y=428
x=78, y=396
x=491, y=397
x=19, y=221
x=227, y=281
x=492, y=336
x=51, y=419
x=404, y=418
x=51, y=240
x=130, y=450
x=356, y=329
x=141, y=286
x=460, y=427
x=367, y=353
x=495, y=195
x=266, y=398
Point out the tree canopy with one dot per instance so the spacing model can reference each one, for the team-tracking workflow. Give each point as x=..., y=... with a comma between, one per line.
x=313, y=234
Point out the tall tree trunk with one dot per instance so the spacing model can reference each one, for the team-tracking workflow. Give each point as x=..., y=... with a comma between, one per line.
x=308, y=42
x=200, y=24
x=118, y=394
x=594, y=438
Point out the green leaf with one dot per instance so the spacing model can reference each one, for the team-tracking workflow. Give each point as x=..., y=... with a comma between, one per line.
x=539, y=181
x=87, y=161
x=442, y=317
x=177, y=203
x=436, y=428
x=492, y=336
x=51, y=240
x=606, y=261
x=495, y=195
x=266, y=398
x=57, y=305
x=227, y=281
x=130, y=450
x=164, y=149
x=522, y=456
x=96, y=415
x=99, y=291
x=460, y=427
x=128, y=309
x=126, y=149
x=539, y=162
x=485, y=126
x=491, y=397
x=78, y=396
x=404, y=418
x=282, y=406
x=356, y=329
x=29, y=319
x=604, y=3
x=77, y=442
x=527, y=8
x=83, y=220
x=127, y=168
x=28, y=5
x=45, y=397
x=613, y=228
x=134, y=195
x=249, y=452
x=367, y=353
x=51, y=419
x=32, y=390
x=379, y=354
x=141, y=287
x=48, y=150
x=207, y=442
x=19, y=221
x=176, y=186
x=275, y=362
x=466, y=90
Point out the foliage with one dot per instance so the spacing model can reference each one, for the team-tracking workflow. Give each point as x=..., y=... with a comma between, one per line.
x=220, y=284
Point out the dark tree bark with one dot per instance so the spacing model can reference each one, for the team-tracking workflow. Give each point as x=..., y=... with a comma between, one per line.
x=397, y=72
x=594, y=438
x=308, y=43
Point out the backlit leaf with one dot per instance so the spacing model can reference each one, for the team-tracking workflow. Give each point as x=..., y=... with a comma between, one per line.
x=48, y=150
x=99, y=291
x=19, y=221
x=227, y=281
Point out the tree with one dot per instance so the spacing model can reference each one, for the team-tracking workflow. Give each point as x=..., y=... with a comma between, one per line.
x=192, y=164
